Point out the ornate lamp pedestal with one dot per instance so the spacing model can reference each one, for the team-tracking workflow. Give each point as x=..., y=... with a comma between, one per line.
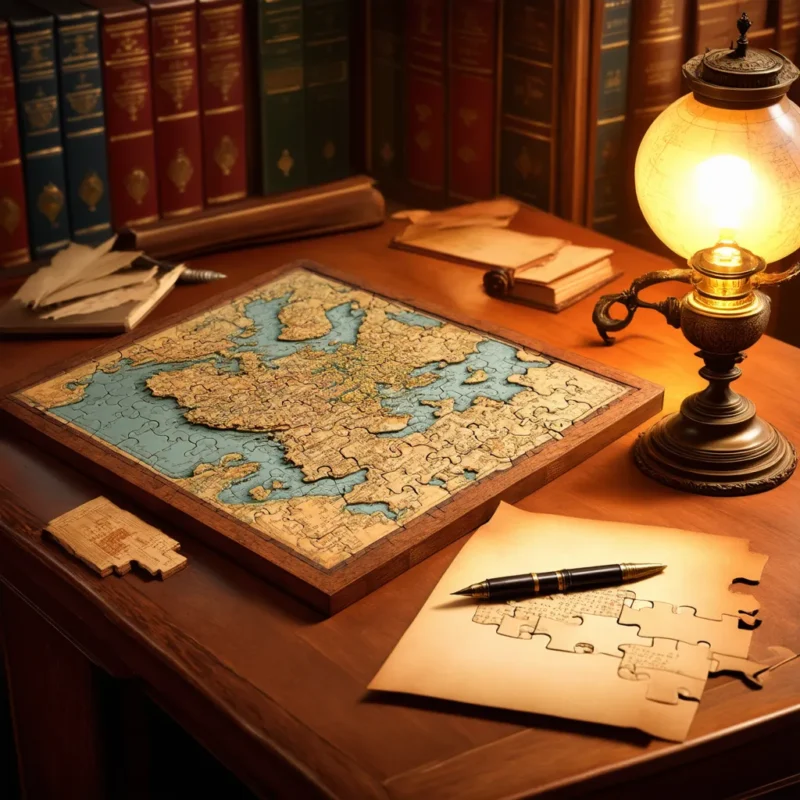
x=716, y=444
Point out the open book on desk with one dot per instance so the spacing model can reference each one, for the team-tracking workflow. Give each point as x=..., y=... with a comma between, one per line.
x=544, y=271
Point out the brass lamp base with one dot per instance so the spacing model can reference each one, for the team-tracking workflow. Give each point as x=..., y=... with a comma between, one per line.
x=716, y=444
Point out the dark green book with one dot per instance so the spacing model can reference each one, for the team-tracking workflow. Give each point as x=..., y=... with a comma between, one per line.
x=611, y=24
x=530, y=100
x=327, y=82
x=282, y=95
x=387, y=161
x=82, y=118
x=34, y=55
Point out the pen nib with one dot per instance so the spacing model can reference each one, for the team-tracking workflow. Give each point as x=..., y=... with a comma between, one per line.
x=465, y=592
x=634, y=572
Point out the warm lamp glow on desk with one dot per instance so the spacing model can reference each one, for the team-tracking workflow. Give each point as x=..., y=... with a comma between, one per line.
x=718, y=181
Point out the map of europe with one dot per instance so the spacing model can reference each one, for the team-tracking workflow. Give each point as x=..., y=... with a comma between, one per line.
x=322, y=415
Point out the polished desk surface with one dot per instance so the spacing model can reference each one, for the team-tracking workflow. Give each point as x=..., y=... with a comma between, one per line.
x=278, y=693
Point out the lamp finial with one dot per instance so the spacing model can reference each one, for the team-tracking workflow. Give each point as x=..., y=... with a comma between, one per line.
x=743, y=24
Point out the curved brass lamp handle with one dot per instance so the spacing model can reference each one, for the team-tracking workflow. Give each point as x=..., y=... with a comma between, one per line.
x=774, y=278
x=629, y=298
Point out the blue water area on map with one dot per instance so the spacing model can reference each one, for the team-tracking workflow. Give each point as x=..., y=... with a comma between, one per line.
x=120, y=409
x=497, y=359
x=470, y=474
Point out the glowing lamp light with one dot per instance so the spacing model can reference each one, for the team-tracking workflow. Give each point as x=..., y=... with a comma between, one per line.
x=706, y=174
x=718, y=181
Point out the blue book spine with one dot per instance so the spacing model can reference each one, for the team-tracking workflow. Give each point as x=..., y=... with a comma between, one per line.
x=83, y=119
x=607, y=200
x=33, y=46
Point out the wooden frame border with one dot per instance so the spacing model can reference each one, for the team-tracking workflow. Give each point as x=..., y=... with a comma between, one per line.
x=330, y=591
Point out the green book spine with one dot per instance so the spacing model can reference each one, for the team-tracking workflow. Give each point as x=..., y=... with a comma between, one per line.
x=83, y=120
x=34, y=53
x=326, y=68
x=283, y=113
x=529, y=116
x=612, y=22
x=386, y=95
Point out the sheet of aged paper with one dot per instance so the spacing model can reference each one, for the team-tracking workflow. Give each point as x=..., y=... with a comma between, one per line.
x=106, y=537
x=490, y=246
x=634, y=656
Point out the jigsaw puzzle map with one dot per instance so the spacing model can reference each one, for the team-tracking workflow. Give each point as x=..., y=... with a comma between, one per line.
x=322, y=415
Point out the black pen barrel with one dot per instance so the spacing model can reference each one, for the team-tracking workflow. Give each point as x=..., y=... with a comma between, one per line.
x=605, y=575
x=562, y=580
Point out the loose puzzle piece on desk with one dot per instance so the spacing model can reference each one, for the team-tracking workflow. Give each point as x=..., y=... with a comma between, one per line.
x=108, y=538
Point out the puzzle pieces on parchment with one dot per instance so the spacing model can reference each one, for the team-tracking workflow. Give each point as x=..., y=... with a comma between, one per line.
x=673, y=670
x=723, y=636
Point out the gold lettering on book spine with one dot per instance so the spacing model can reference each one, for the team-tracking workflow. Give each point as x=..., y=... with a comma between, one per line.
x=91, y=190
x=39, y=111
x=10, y=215
x=285, y=163
x=50, y=203
x=180, y=170
x=226, y=154
x=137, y=184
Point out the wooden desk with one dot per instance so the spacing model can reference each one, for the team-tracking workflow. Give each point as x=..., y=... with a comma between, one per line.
x=277, y=693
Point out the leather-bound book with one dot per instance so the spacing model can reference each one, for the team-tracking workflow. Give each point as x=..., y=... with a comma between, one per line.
x=282, y=95
x=611, y=20
x=426, y=126
x=573, y=115
x=386, y=141
x=13, y=214
x=128, y=90
x=530, y=101
x=658, y=49
x=33, y=48
x=326, y=70
x=83, y=118
x=715, y=23
x=176, y=100
x=472, y=99
x=344, y=205
x=222, y=98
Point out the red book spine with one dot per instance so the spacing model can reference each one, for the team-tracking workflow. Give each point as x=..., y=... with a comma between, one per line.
x=426, y=118
x=13, y=216
x=176, y=99
x=222, y=100
x=472, y=98
x=128, y=86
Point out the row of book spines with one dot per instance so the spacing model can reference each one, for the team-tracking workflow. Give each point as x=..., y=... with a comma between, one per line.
x=304, y=52
x=435, y=73
x=68, y=184
x=436, y=100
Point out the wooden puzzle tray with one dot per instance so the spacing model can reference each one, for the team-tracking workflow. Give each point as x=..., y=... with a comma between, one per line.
x=322, y=433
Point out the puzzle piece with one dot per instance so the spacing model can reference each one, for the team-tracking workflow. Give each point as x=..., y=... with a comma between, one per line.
x=593, y=634
x=661, y=621
x=691, y=660
x=666, y=687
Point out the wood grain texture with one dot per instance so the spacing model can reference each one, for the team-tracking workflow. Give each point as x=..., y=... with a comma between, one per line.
x=277, y=693
x=331, y=591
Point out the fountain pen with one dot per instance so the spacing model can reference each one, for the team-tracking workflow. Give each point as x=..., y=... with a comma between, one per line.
x=561, y=580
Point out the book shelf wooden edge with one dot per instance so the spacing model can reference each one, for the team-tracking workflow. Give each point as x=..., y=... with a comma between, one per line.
x=332, y=591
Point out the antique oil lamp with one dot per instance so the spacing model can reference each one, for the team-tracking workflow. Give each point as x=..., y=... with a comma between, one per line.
x=718, y=181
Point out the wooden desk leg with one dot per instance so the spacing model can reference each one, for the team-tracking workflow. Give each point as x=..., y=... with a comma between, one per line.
x=54, y=709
